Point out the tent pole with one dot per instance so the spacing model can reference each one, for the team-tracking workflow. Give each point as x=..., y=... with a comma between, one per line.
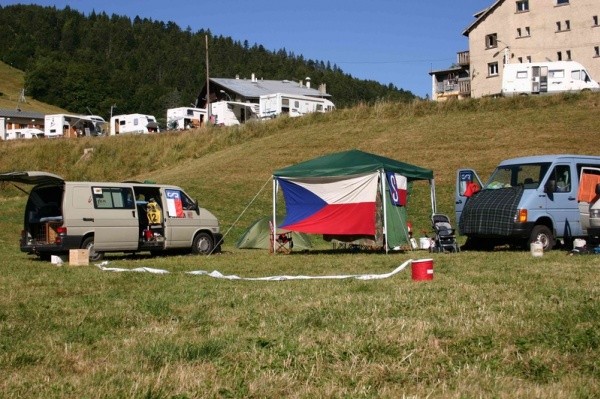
x=274, y=220
x=433, y=198
x=384, y=201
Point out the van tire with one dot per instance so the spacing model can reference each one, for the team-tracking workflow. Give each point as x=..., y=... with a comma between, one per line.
x=88, y=244
x=203, y=244
x=544, y=235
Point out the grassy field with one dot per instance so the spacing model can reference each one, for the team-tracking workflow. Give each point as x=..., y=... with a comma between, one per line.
x=491, y=324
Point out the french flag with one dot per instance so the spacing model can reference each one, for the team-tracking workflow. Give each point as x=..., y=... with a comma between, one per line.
x=330, y=205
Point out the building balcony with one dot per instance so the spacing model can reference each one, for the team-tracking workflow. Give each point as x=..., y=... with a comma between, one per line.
x=464, y=58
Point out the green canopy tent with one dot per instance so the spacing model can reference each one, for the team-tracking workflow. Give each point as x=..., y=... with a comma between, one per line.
x=258, y=236
x=342, y=193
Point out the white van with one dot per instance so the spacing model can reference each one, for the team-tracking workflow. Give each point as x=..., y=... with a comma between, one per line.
x=525, y=200
x=546, y=77
x=111, y=217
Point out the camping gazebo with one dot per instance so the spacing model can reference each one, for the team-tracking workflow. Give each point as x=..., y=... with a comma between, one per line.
x=349, y=195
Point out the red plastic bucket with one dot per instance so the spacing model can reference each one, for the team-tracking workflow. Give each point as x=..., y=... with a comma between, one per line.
x=422, y=269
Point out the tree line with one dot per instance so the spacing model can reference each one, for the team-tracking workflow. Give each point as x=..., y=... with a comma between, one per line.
x=88, y=63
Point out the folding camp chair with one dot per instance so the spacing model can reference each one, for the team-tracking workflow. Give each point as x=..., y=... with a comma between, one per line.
x=282, y=243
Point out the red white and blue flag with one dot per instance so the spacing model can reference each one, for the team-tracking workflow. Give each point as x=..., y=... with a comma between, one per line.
x=398, y=188
x=330, y=205
x=174, y=204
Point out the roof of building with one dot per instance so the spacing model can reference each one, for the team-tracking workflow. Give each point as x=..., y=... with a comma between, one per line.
x=254, y=88
x=16, y=113
x=480, y=16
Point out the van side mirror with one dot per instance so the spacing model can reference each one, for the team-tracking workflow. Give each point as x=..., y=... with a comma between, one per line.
x=196, y=207
x=598, y=189
x=550, y=186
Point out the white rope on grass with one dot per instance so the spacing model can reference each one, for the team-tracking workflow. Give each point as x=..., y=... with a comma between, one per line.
x=219, y=275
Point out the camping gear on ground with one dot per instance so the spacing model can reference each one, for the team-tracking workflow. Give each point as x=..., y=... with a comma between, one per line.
x=424, y=242
x=422, y=269
x=445, y=235
x=257, y=235
x=537, y=249
x=350, y=193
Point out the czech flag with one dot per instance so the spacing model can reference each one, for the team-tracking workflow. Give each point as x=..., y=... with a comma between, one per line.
x=330, y=205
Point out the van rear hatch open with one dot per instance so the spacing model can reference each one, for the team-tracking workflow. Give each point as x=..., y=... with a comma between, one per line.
x=31, y=177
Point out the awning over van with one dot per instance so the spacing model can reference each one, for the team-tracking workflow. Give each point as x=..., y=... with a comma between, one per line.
x=31, y=177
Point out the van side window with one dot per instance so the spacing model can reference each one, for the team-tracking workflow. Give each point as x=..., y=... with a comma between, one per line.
x=113, y=198
x=562, y=176
x=177, y=202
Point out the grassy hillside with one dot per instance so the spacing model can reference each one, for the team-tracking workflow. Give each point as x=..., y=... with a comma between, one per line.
x=225, y=168
x=12, y=81
x=491, y=324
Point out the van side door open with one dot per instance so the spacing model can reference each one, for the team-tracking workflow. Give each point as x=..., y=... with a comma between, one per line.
x=115, y=218
x=467, y=183
x=561, y=196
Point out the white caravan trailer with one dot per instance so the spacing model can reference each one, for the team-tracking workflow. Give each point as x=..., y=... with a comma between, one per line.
x=185, y=118
x=272, y=105
x=64, y=125
x=546, y=77
x=133, y=123
x=231, y=113
x=23, y=133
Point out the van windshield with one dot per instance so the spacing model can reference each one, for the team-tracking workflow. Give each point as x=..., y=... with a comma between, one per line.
x=527, y=175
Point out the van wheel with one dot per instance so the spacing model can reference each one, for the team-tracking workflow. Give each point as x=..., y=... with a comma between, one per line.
x=88, y=244
x=544, y=235
x=203, y=244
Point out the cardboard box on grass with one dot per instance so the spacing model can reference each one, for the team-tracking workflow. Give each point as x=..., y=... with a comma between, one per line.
x=79, y=257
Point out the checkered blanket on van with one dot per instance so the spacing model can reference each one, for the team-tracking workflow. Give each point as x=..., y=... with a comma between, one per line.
x=490, y=212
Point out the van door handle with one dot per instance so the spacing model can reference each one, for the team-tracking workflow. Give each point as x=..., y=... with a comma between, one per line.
x=571, y=198
x=133, y=213
x=88, y=219
x=459, y=202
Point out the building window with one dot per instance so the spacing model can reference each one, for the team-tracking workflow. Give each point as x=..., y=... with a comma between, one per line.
x=558, y=26
x=522, y=5
x=567, y=25
x=527, y=31
x=596, y=51
x=491, y=41
x=568, y=53
x=559, y=56
x=520, y=59
x=493, y=69
x=595, y=20
x=561, y=2
x=519, y=32
x=529, y=59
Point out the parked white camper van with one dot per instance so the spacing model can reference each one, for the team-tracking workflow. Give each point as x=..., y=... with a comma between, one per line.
x=111, y=217
x=546, y=77
x=185, y=118
x=133, y=123
x=273, y=105
x=65, y=125
x=232, y=113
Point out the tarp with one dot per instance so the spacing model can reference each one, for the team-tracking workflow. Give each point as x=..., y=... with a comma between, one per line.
x=353, y=162
x=257, y=236
x=336, y=194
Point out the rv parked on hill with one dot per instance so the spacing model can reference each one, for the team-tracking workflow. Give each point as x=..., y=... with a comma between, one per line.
x=133, y=123
x=545, y=78
x=273, y=105
x=232, y=113
x=183, y=118
x=23, y=133
x=65, y=125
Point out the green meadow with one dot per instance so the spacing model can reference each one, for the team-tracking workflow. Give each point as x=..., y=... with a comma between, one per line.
x=499, y=324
